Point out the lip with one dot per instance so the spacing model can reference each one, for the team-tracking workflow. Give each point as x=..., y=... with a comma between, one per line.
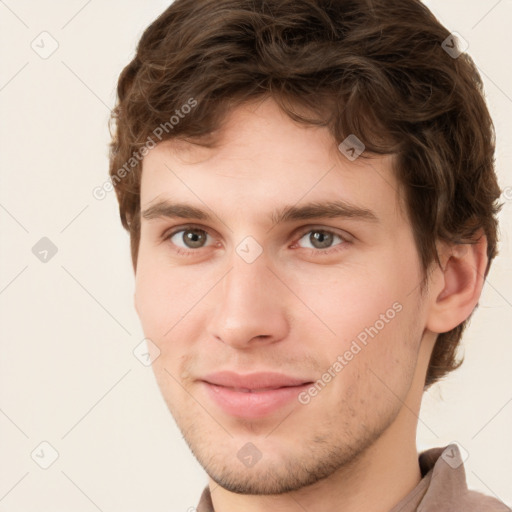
x=252, y=395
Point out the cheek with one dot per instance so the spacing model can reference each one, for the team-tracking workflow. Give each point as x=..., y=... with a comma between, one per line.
x=163, y=298
x=153, y=300
x=163, y=295
x=350, y=303
x=370, y=324
x=384, y=368
x=371, y=380
x=171, y=304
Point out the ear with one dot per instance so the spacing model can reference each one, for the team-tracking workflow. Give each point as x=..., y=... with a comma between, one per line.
x=456, y=288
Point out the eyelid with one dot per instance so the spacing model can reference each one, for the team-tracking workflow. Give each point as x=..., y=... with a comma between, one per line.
x=327, y=229
x=176, y=229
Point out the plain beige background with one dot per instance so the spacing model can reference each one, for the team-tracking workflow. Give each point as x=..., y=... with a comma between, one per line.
x=68, y=375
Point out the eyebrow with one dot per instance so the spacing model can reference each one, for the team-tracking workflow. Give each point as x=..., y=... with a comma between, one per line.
x=313, y=210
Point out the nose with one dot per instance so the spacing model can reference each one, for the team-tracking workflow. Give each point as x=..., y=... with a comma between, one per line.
x=251, y=306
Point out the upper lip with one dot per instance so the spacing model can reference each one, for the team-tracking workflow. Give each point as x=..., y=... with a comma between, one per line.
x=253, y=381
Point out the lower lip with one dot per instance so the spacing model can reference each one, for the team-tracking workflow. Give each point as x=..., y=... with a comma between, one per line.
x=253, y=404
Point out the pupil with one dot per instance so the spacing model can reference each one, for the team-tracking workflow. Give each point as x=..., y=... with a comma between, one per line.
x=194, y=238
x=321, y=240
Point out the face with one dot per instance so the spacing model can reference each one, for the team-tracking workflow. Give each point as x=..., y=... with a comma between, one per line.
x=279, y=282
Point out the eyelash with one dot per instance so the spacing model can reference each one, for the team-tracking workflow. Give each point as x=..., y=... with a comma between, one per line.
x=313, y=252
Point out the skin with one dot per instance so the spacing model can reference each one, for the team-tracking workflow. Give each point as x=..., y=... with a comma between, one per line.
x=293, y=310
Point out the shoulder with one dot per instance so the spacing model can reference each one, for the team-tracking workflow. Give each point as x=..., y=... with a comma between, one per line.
x=476, y=502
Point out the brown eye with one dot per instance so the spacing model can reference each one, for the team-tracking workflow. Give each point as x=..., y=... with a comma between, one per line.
x=320, y=239
x=190, y=238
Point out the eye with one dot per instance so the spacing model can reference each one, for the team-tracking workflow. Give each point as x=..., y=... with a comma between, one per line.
x=320, y=239
x=189, y=238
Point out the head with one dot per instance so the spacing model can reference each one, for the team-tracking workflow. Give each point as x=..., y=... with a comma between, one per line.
x=260, y=243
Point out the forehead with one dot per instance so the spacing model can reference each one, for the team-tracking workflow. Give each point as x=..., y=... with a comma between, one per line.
x=264, y=159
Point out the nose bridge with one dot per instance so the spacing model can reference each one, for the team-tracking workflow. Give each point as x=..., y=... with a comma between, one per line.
x=249, y=284
x=250, y=306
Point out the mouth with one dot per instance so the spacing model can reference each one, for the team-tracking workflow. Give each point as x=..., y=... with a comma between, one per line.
x=254, y=395
x=258, y=381
x=247, y=390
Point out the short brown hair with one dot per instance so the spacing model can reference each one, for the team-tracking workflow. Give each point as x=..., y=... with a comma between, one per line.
x=376, y=69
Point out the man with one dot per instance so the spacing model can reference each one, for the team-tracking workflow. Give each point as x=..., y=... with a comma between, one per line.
x=311, y=199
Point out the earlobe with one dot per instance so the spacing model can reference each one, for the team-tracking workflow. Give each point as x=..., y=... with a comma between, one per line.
x=458, y=286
